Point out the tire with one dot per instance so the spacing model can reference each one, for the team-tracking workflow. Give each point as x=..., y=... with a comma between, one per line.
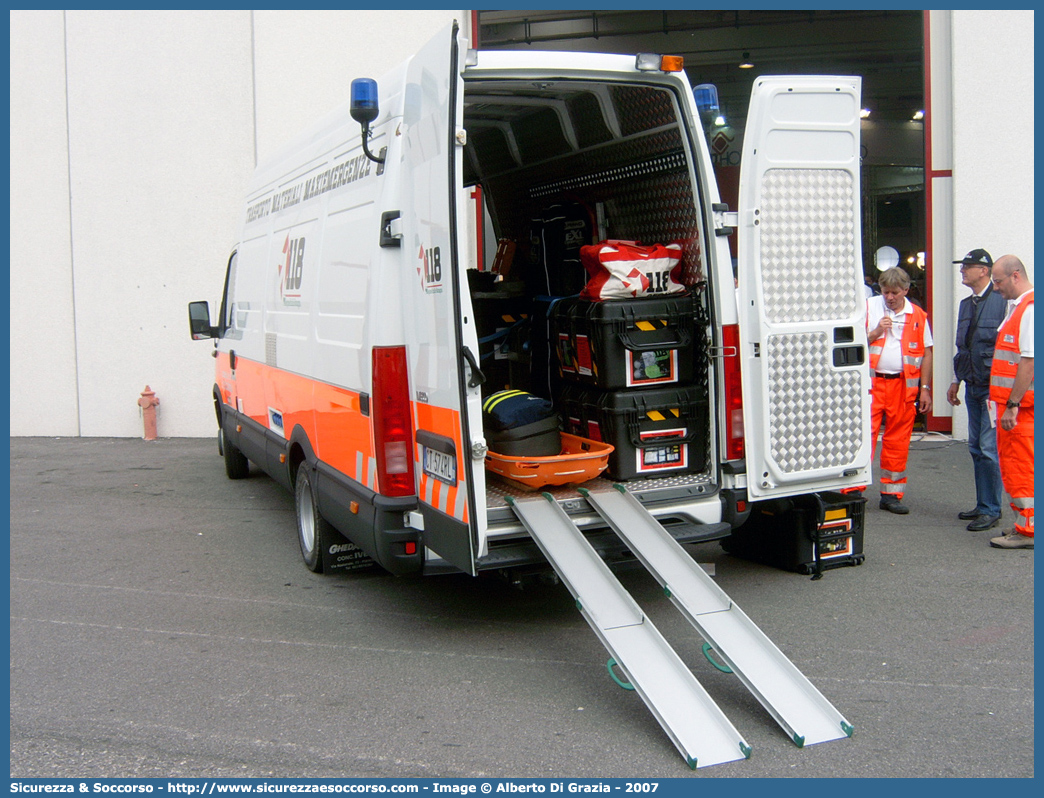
x=313, y=532
x=236, y=464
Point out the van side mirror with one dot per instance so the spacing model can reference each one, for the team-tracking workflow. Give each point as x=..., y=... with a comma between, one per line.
x=199, y=321
x=365, y=109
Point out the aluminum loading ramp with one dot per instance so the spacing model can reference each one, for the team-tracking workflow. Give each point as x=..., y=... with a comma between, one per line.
x=802, y=711
x=690, y=717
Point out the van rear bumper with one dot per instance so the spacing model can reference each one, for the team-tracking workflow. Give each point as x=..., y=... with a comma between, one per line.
x=373, y=522
x=520, y=552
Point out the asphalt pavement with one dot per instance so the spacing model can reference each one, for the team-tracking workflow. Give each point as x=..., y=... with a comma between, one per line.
x=163, y=625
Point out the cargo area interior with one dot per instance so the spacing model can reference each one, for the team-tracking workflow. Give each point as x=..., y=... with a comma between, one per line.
x=568, y=163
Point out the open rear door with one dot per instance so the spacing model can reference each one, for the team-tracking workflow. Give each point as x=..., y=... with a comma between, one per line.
x=806, y=381
x=446, y=400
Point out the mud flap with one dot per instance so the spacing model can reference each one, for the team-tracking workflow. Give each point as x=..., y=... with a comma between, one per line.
x=341, y=555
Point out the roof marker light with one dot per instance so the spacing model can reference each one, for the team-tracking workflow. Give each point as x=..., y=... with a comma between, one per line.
x=647, y=62
x=672, y=63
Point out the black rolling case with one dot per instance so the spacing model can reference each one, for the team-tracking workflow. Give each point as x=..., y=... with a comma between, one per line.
x=802, y=533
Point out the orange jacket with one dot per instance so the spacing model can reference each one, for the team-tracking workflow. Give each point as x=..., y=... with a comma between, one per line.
x=1006, y=357
x=912, y=344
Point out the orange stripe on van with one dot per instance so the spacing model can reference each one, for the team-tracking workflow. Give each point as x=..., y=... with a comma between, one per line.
x=340, y=434
x=445, y=422
x=330, y=416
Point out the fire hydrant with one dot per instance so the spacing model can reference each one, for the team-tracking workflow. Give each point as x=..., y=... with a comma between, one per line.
x=148, y=403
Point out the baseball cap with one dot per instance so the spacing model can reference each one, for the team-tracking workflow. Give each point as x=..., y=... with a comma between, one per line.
x=977, y=257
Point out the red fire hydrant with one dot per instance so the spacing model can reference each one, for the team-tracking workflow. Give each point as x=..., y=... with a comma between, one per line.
x=148, y=403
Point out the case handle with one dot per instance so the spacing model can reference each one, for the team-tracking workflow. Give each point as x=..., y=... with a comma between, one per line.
x=682, y=339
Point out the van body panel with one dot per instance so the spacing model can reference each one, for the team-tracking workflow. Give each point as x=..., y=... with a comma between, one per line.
x=805, y=378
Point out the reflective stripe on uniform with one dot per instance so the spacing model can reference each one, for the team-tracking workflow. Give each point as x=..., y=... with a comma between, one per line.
x=1022, y=503
x=1003, y=382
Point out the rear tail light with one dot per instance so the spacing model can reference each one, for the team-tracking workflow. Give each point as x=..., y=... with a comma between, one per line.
x=733, y=393
x=392, y=421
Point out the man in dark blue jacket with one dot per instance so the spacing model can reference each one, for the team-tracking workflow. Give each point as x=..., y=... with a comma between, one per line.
x=978, y=318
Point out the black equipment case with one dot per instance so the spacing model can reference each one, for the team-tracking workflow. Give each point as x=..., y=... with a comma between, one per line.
x=804, y=534
x=655, y=431
x=628, y=343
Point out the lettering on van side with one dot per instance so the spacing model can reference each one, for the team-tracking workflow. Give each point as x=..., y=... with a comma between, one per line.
x=430, y=270
x=336, y=176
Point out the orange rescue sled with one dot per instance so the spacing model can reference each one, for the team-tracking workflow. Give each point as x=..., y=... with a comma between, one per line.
x=581, y=459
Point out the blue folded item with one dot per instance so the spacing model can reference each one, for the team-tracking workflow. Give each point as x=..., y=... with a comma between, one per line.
x=510, y=409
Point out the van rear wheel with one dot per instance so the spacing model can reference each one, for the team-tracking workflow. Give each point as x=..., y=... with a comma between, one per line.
x=236, y=464
x=313, y=531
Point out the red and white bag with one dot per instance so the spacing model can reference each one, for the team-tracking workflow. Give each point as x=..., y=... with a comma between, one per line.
x=628, y=270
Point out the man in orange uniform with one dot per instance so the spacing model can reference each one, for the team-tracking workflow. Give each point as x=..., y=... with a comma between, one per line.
x=900, y=368
x=1011, y=388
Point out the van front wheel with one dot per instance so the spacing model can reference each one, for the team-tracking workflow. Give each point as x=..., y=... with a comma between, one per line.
x=313, y=531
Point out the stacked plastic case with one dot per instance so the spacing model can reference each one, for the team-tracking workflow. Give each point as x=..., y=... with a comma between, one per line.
x=627, y=375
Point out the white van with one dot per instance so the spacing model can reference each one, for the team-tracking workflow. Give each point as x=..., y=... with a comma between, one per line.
x=351, y=366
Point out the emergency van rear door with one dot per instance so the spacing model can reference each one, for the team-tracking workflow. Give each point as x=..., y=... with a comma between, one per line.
x=805, y=377
x=443, y=348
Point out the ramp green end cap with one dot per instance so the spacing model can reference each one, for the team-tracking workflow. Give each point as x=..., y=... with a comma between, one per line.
x=799, y=741
x=746, y=749
x=579, y=606
x=667, y=591
x=548, y=496
x=692, y=762
x=510, y=500
x=847, y=728
x=619, y=487
x=583, y=492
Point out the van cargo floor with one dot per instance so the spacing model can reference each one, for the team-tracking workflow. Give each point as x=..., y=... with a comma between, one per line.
x=679, y=486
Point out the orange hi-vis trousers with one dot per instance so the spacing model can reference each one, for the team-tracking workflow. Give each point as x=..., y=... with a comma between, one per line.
x=1015, y=452
x=889, y=402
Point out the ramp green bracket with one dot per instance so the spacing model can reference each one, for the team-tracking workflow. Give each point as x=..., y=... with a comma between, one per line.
x=706, y=652
x=609, y=666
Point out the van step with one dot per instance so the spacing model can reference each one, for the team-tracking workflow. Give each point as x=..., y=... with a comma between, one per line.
x=692, y=720
x=803, y=712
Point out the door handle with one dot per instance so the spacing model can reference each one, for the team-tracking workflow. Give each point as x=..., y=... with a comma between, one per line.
x=232, y=359
x=391, y=235
x=477, y=377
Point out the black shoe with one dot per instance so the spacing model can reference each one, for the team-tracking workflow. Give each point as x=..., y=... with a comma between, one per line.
x=968, y=515
x=984, y=522
x=893, y=505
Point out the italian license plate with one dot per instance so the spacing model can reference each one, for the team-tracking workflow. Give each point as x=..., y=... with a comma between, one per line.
x=440, y=465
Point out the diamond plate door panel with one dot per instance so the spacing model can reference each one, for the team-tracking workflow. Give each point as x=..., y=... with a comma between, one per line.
x=815, y=411
x=807, y=245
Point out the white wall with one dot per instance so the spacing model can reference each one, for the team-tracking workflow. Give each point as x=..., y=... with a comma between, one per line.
x=43, y=376
x=992, y=198
x=133, y=134
x=993, y=132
